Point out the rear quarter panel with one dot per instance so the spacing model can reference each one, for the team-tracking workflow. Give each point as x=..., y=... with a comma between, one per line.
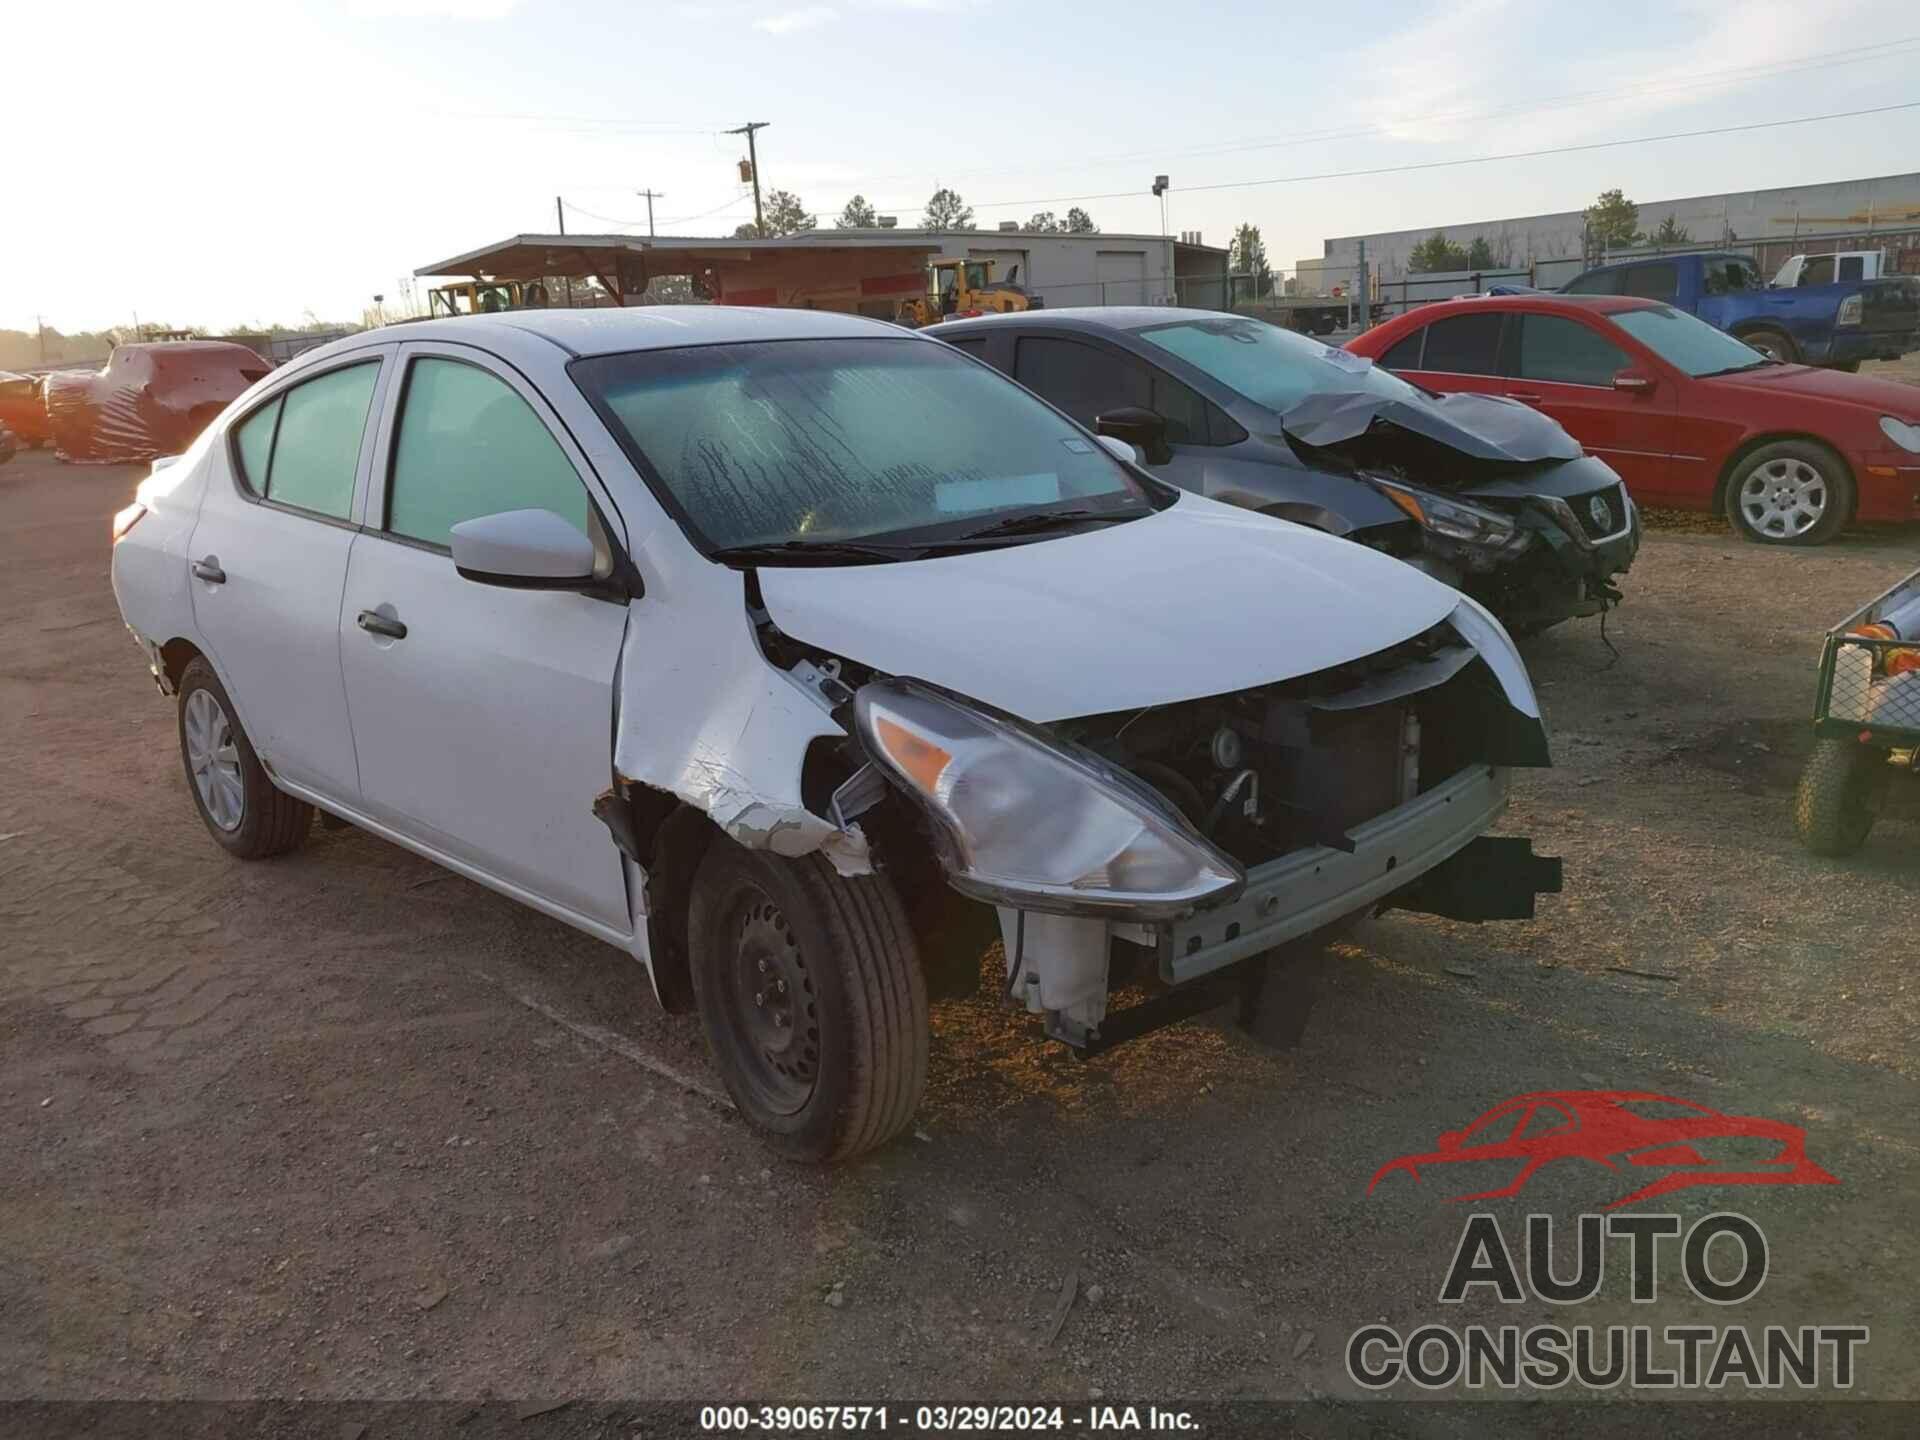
x=149, y=565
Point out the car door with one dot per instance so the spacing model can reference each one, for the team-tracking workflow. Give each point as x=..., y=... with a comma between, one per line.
x=269, y=562
x=1564, y=367
x=1086, y=378
x=1455, y=353
x=483, y=715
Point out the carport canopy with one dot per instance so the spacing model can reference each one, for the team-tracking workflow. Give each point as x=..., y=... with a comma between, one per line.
x=840, y=271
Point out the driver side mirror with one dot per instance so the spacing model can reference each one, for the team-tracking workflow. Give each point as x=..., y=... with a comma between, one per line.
x=1636, y=381
x=525, y=550
x=1138, y=426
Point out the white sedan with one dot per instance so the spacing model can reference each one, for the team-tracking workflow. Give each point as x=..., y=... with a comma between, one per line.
x=797, y=656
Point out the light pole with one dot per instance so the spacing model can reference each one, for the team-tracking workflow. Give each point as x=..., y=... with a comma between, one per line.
x=1160, y=187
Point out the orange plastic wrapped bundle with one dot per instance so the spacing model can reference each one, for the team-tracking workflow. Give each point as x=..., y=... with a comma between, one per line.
x=149, y=400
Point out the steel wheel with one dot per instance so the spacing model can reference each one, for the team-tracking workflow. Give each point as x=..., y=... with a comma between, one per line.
x=1783, y=498
x=769, y=996
x=213, y=758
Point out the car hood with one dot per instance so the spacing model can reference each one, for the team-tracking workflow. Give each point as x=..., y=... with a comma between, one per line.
x=1199, y=599
x=1885, y=397
x=1482, y=427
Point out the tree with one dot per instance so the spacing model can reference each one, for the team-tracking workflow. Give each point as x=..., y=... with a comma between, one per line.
x=1248, y=256
x=1080, y=223
x=1671, y=233
x=1434, y=254
x=1480, y=254
x=782, y=213
x=1044, y=222
x=947, y=211
x=1612, y=221
x=858, y=215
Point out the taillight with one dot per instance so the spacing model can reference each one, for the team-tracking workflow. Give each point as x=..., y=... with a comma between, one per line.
x=126, y=520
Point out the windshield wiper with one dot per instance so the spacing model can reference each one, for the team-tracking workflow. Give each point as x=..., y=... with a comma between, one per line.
x=825, y=552
x=1037, y=521
x=1759, y=364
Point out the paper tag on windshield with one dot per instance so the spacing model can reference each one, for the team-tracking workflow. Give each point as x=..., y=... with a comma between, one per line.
x=1077, y=446
x=967, y=497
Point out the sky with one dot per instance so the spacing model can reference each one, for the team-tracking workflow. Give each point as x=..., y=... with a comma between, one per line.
x=225, y=164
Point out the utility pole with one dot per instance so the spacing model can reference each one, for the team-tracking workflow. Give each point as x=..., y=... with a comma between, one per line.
x=560, y=214
x=1360, y=288
x=653, y=195
x=753, y=164
x=40, y=328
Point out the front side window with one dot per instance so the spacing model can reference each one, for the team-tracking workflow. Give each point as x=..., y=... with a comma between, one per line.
x=1464, y=344
x=1088, y=380
x=1563, y=351
x=842, y=439
x=1817, y=271
x=303, y=447
x=468, y=445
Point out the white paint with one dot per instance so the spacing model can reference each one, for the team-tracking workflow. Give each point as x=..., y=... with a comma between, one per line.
x=1201, y=599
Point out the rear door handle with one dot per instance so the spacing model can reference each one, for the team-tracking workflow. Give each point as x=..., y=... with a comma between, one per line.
x=374, y=623
x=209, y=570
x=1527, y=395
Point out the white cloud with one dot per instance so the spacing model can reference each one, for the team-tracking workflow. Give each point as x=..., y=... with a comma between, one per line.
x=432, y=9
x=808, y=17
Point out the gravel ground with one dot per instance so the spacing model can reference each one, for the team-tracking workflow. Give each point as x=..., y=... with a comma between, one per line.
x=345, y=1125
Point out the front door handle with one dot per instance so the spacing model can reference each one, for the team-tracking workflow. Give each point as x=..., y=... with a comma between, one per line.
x=374, y=623
x=209, y=570
x=1526, y=396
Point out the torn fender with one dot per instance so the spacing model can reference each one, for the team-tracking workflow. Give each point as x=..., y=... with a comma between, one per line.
x=704, y=717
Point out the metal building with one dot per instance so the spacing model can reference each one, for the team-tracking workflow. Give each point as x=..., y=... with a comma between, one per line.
x=1882, y=210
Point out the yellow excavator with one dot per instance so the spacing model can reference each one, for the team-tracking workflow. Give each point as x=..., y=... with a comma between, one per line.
x=485, y=297
x=960, y=288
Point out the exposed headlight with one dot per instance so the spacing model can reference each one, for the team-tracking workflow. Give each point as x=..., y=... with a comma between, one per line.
x=1906, y=436
x=1851, y=309
x=1453, y=519
x=1023, y=821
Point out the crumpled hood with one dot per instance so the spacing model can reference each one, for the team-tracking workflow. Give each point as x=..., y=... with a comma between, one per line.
x=1200, y=599
x=1485, y=427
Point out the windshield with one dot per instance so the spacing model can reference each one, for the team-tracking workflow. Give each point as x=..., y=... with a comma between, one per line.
x=1687, y=343
x=1273, y=367
x=815, y=441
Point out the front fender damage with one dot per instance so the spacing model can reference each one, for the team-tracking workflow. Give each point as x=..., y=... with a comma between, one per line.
x=704, y=718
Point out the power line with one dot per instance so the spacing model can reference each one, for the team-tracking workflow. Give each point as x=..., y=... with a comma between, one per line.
x=1704, y=79
x=1449, y=164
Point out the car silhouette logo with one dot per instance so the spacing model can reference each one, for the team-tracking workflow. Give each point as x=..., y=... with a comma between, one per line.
x=1675, y=1143
x=1601, y=512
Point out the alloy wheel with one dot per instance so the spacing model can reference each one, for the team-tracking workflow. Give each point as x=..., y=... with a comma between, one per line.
x=1783, y=498
x=213, y=759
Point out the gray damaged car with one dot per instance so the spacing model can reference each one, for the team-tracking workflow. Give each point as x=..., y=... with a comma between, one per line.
x=1486, y=494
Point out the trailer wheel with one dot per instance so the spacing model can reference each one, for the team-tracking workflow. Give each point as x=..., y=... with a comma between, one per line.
x=1839, y=796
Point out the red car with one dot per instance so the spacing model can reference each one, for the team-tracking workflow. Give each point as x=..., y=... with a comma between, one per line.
x=1688, y=415
x=1672, y=1144
x=23, y=410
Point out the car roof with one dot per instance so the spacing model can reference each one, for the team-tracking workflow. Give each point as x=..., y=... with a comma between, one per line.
x=1087, y=318
x=1662, y=259
x=1546, y=304
x=610, y=329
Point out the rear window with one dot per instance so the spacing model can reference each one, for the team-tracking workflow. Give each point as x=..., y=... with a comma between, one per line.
x=1464, y=344
x=1595, y=282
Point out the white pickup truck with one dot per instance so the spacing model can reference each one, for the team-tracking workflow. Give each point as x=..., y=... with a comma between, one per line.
x=1832, y=269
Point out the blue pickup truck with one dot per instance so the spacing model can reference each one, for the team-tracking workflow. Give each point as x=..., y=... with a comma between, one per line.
x=1836, y=325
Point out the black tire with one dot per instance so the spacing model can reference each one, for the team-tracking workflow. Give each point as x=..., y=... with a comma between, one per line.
x=1774, y=344
x=1846, y=367
x=846, y=1072
x=1839, y=796
x=270, y=821
x=1788, y=462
